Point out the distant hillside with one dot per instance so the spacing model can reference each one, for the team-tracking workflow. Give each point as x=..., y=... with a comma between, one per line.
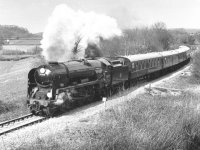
x=185, y=30
x=16, y=32
x=192, y=30
x=39, y=34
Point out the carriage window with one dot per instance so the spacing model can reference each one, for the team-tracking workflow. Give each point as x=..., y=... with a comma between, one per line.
x=149, y=65
x=143, y=65
x=136, y=66
x=133, y=66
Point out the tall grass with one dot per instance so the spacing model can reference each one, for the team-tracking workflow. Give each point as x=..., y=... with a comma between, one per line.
x=152, y=123
x=6, y=107
x=10, y=110
x=196, y=64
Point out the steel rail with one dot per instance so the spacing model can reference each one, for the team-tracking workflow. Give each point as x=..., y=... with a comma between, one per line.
x=15, y=120
x=22, y=125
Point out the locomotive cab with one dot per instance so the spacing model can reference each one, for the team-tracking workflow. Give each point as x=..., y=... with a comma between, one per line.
x=119, y=70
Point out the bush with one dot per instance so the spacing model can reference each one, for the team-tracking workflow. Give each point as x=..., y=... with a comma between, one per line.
x=196, y=64
x=12, y=52
x=34, y=51
x=138, y=40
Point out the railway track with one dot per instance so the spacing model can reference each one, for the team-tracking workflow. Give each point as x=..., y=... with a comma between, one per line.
x=20, y=122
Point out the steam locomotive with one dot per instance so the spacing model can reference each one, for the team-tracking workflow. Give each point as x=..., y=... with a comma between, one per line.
x=62, y=86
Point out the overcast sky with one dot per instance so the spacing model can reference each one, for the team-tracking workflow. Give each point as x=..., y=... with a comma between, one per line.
x=33, y=14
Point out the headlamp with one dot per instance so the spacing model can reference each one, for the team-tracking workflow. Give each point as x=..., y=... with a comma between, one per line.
x=45, y=71
x=42, y=70
x=49, y=94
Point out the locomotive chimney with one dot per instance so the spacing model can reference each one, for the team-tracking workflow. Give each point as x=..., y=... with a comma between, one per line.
x=92, y=51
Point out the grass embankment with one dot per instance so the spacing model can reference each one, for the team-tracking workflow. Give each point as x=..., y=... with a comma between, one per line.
x=196, y=64
x=145, y=122
x=13, y=86
x=152, y=123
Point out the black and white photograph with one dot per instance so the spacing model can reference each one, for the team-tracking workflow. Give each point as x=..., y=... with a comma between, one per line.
x=99, y=74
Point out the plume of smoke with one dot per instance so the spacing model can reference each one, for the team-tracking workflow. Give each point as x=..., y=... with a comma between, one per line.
x=68, y=32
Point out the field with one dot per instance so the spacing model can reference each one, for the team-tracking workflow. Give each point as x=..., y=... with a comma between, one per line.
x=13, y=85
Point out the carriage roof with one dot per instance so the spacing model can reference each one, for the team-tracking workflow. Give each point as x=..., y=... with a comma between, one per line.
x=153, y=55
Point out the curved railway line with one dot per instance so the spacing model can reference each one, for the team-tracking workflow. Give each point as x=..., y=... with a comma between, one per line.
x=20, y=122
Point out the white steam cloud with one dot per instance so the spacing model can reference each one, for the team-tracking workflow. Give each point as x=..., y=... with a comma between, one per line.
x=66, y=26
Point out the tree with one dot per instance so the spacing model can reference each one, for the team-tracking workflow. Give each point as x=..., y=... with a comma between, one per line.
x=191, y=40
x=77, y=47
x=163, y=35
